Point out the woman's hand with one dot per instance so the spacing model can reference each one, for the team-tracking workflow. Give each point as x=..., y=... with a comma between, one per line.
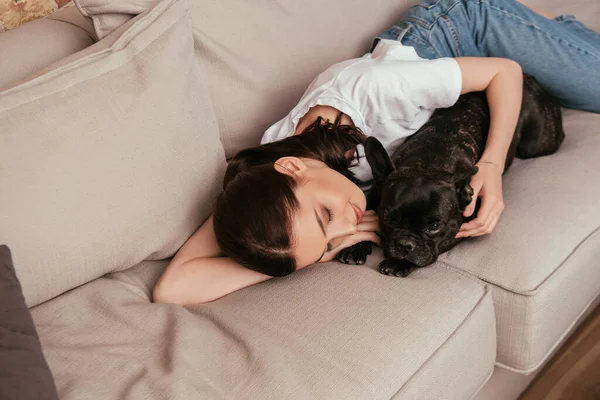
x=487, y=184
x=502, y=80
x=366, y=230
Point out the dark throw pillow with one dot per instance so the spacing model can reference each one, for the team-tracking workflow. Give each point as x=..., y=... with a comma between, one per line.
x=24, y=373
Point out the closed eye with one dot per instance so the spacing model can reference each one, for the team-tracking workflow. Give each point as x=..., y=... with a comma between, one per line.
x=329, y=212
x=330, y=216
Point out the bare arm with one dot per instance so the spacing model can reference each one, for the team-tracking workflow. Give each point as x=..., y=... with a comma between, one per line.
x=199, y=273
x=502, y=80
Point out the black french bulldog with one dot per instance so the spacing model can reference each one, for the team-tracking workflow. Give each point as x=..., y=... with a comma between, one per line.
x=420, y=193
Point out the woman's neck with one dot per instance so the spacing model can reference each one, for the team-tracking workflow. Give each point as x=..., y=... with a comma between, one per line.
x=325, y=112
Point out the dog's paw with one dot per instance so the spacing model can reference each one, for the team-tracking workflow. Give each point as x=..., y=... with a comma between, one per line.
x=396, y=267
x=355, y=255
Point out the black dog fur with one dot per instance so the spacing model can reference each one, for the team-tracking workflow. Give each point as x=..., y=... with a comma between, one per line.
x=421, y=191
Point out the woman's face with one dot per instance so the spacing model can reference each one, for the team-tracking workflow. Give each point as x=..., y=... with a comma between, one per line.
x=330, y=208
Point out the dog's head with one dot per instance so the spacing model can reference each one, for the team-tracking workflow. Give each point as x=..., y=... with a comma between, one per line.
x=420, y=214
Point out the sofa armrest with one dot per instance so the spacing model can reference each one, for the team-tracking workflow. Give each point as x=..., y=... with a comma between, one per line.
x=42, y=42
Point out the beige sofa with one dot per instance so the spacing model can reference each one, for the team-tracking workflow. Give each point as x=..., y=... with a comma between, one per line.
x=112, y=153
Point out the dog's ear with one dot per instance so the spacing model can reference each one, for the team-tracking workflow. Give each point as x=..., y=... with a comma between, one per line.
x=464, y=171
x=462, y=180
x=378, y=159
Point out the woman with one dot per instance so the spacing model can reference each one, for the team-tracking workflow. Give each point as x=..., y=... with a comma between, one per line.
x=295, y=201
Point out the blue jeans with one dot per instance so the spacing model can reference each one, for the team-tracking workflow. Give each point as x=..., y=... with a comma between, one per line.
x=561, y=53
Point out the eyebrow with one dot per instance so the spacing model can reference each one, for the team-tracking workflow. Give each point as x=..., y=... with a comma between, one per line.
x=324, y=234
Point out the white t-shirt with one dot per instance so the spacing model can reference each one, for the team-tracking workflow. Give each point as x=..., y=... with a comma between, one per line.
x=389, y=94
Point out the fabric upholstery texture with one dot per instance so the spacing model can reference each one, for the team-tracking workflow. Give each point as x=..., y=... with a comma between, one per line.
x=545, y=276
x=42, y=42
x=24, y=372
x=336, y=331
x=261, y=57
x=251, y=51
x=108, y=158
x=332, y=332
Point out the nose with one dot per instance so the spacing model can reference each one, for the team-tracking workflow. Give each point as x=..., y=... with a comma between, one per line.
x=407, y=243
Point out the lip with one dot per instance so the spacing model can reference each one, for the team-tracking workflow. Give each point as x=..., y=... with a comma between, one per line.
x=358, y=212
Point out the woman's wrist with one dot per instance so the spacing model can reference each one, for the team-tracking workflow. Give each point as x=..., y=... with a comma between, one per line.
x=504, y=95
x=494, y=164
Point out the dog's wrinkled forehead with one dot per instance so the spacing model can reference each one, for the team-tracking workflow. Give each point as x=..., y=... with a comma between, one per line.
x=410, y=201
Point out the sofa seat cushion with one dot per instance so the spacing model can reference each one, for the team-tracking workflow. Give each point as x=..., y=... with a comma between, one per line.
x=327, y=332
x=542, y=258
x=109, y=157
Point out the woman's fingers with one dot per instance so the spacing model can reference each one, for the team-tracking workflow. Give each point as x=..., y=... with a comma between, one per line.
x=368, y=226
x=491, y=222
x=351, y=240
x=361, y=237
x=358, y=237
x=365, y=231
x=480, y=226
x=369, y=218
x=369, y=222
x=487, y=182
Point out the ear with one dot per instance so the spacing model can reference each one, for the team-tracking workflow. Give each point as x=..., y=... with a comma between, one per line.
x=464, y=171
x=462, y=180
x=292, y=166
x=378, y=159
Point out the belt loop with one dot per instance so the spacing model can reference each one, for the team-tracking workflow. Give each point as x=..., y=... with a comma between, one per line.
x=401, y=35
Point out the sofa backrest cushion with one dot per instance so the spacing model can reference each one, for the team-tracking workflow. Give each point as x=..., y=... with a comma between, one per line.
x=261, y=56
x=110, y=157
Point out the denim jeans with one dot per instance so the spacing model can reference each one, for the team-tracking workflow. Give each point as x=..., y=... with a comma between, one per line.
x=561, y=53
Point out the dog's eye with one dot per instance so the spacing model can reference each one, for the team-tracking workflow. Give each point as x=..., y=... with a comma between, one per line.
x=433, y=228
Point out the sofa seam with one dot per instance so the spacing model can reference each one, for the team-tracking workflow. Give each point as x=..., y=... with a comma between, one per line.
x=486, y=293
x=483, y=383
x=537, y=288
x=464, y=273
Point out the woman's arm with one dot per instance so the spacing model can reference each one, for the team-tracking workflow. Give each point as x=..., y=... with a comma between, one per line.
x=198, y=273
x=502, y=80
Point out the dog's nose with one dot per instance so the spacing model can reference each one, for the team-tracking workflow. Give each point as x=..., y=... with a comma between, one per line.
x=408, y=244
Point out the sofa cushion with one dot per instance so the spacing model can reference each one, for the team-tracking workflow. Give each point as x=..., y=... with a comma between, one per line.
x=327, y=332
x=262, y=57
x=108, y=158
x=24, y=372
x=541, y=260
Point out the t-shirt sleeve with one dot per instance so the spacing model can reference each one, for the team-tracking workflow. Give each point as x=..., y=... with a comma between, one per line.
x=433, y=83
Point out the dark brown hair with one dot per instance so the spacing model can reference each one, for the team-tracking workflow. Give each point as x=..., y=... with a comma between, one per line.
x=253, y=214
